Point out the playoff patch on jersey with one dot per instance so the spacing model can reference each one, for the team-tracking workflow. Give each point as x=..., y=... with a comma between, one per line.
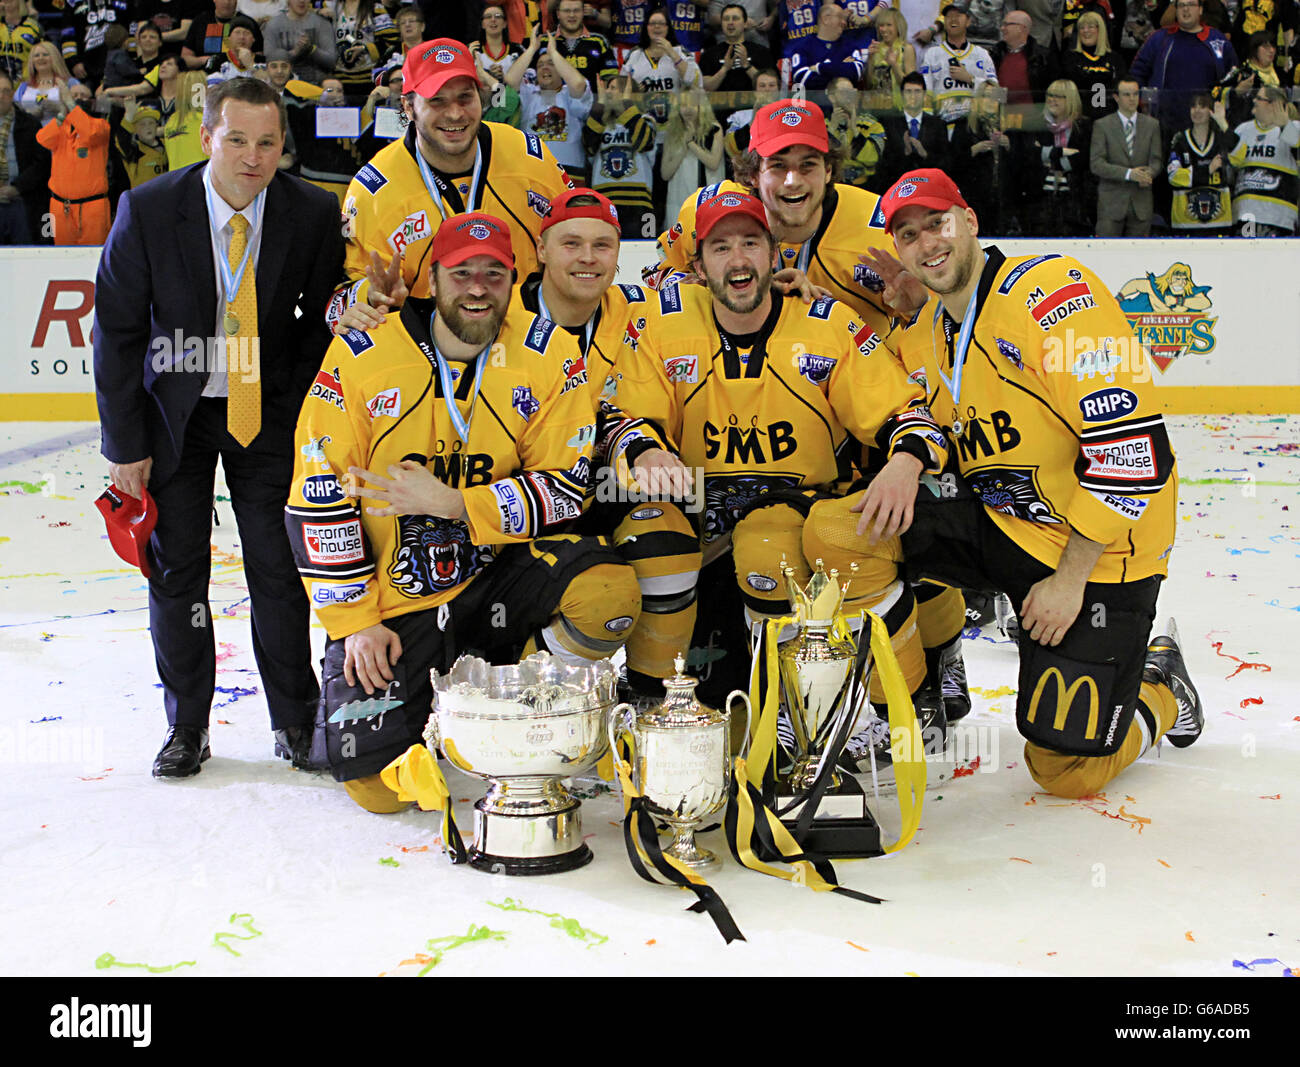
x=434, y=555
x=1011, y=352
x=523, y=401
x=817, y=369
x=1012, y=491
x=868, y=279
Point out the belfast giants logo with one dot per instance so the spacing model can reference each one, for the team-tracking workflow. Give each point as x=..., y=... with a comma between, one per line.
x=434, y=555
x=1012, y=491
x=1168, y=314
x=616, y=163
x=729, y=498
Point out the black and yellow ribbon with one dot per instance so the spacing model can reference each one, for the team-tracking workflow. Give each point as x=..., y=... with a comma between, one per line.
x=648, y=859
x=415, y=775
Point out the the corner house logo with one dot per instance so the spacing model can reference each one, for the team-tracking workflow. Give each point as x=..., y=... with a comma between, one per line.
x=1168, y=314
x=75, y=1019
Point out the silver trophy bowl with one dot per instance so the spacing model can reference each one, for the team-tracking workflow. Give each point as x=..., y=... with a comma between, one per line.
x=522, y=728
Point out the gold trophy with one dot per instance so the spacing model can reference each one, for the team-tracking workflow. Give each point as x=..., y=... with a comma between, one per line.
x=825, y=811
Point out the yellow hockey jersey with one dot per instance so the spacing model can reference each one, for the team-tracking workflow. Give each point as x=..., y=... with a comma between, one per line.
x=852, y=222
x=1055, y=426
x=388, y=208
x=378, y=400
x=778, y=410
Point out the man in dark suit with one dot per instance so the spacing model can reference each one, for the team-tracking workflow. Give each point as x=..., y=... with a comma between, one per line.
x=228, y=251
x=914, y=139
x=1126, y=157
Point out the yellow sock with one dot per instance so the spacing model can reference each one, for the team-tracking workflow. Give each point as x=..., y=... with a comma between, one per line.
x=371, y=793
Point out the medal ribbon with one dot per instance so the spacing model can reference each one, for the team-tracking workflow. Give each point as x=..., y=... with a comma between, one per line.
x=435, y=185
x=459, y=421
x=230, y=280
x=963, y=343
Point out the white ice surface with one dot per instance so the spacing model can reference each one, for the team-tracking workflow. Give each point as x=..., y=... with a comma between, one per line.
x=98, y=857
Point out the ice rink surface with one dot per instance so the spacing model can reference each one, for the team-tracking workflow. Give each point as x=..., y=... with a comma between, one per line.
x=1187, y=865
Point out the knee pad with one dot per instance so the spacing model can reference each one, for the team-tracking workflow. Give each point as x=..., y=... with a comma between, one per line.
x=831, y=535
x=371, y=793
x=664, y=551
x=597, y=612
x=759, y=543
x=941, y=610
x=905, y=639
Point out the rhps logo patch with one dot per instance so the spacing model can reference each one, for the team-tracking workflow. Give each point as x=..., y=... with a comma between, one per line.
x=1106, y=404
x=322, y=489
x=1167, y=313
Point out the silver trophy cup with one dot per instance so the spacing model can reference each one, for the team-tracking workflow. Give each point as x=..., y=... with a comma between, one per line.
x=682, y=762
x=523, y=727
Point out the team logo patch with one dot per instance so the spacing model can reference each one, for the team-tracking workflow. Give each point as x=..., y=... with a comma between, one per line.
x=729, y=498
x=322, y=489
x=333, y=542
x=1107, y=404
x=1129, y=459
x=617, y=626
x=1168, y=313
x=357, y=341
x=388, y=403
x=683, y=369
x=539, y=204
x=817, y=369
x=868, y=279
x=479, y=232
x=324, y=595
x=761, y=582
x=326, y=387
x=730, y=200
x=434, y=555
x=646, y=513
x=904, y=191
x=443, y=55
x=790, y=116
x=371, y=179
x=314, y=450
x=1012, y=491
x=616, y=162
x=523, y=401
x=1011, y=352
x=413, y=228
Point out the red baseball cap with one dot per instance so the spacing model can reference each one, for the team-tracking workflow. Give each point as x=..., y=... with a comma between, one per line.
x=430, y=65
x=724, y=205
x=130, y=523
x=788, y=122
x=921, y=188
x=462, y=237
x=563, y=208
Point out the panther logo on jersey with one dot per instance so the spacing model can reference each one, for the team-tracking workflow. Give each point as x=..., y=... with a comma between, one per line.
x=434, y=555
x=728, y=499
x=1012, y=491
x=616, y=163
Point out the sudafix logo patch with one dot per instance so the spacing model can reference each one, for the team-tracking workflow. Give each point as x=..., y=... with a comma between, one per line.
x=1127, y=459
x=326, y=387
x=1060, y=304
x=388, y=403
x=1107, y=404
x=683, y=369
x=333, y=542
x=867, y=340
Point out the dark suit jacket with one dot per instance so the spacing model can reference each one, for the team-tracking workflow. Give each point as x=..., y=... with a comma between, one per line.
x=156, y=278
x=33, y=182
x=1110, y=160
x=934, y=139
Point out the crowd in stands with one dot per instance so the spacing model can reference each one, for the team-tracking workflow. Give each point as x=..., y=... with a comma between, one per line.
x=1055, y=117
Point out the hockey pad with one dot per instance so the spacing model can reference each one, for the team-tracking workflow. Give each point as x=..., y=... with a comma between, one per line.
x=360, y=733
x=1079, y=697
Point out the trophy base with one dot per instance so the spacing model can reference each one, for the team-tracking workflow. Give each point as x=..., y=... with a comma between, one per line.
x=843, y=827
x=543, y=843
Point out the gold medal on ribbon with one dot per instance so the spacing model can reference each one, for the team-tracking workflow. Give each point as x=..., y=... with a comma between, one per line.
x=231, y=323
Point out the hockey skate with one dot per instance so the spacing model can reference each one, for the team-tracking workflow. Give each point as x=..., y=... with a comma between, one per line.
x=946, y=671
x=867, y=753
x=1165, y=666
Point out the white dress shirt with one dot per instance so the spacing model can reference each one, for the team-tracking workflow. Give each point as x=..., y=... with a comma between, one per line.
x=220, y=213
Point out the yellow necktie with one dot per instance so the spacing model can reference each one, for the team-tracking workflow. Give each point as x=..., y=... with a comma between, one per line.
x=243, y=359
